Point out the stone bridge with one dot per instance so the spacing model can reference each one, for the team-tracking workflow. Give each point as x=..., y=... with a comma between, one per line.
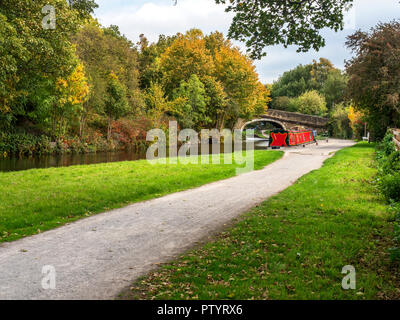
x=287, y=121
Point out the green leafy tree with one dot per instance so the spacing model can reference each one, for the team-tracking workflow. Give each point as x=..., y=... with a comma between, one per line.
x=334, y=88
x=282, y=103
x=149, y=59
x=319, y=73
x=193, y=112
x=217, y=103
x=11, y=52
x=37, y=56
x=320, y=76
x=311, y=102
x=115, y=101
x=287, y=22
x=158, y=106
x=105, y=50
x=293, y=83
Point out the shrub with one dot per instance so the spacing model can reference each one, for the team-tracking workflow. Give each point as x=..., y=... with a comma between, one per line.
x=387, y=145
x=311, y=102
x=395, y=211
x=339, y=124
x=389, y=174
x=390, y=186
x=391, y=164
x=24, y=144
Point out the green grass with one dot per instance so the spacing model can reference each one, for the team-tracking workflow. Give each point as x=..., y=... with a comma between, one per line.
x=36, y=200
x=295, y=244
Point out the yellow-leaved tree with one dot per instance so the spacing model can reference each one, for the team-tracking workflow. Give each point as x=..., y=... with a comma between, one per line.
x=356, y=121
x=231, y=83
x=71, y=94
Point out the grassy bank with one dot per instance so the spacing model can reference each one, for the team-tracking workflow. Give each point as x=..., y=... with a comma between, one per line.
x=33, y=201
x=294, y=245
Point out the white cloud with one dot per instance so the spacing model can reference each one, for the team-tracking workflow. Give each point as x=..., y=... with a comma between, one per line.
x=153, y=19
x=156, y=17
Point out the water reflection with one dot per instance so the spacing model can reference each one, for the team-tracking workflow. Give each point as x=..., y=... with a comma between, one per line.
x=48, y=161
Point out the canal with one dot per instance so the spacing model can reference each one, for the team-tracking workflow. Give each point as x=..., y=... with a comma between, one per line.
x=65, y=160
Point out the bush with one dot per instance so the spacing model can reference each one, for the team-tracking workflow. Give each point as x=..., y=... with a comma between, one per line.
x=130, y=133
x=389, y=183
x=390, y=186
x=281, y=103
x=391, y=164
x=387, y=145
x=24, y=144
x=339, y=124
x=395, y=211
x=311, y=102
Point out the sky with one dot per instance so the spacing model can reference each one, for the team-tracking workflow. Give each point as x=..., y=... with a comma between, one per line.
x=156, y=17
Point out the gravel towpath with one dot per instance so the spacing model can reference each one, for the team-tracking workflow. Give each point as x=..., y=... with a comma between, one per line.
x=97, y=257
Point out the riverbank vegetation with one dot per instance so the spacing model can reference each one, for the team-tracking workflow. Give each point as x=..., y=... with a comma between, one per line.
x=388, y=180
x=83, y=87
x=294, y=245
x=88, y=88
x=36, y=200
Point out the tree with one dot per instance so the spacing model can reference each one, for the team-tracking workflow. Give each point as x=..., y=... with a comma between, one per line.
x=215, y=62
x=115, y=101
x=186, y=56
x=287, y=22
x=374, y=82
x=339, y=123
x=320, y=76
x=244, y=91
x=192, y=114
x=217, y=102
x=11, y=51
x=293, y=83
x=334, y=88
x=149, y=59
x=71, y=94
x=311, y=102
x=35, y=57
x=106, y=50
x=84, y=7
x=357, y=122
x=282, y=103
x=157, y=105
x=320, y=72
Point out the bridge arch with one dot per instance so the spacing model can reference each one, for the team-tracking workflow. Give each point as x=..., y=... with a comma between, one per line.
x=263, y=120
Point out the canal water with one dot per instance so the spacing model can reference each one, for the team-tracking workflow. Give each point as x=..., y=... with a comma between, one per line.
x=48, y=161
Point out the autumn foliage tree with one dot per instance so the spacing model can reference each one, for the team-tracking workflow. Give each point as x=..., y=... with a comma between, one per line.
x=229, y=78
x=32, y=57
x=104, y=51
x=71, y=94
x=374, y=82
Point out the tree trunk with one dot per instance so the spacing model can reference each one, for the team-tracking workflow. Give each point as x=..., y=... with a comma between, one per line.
x=222, y=121
x=82, y=124
x=109, y=128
